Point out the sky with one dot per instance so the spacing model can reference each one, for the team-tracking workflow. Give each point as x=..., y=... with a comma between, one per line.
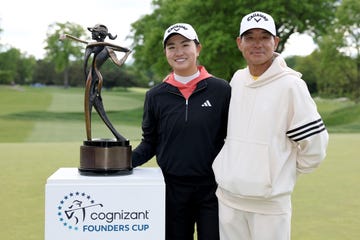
x=25, y=22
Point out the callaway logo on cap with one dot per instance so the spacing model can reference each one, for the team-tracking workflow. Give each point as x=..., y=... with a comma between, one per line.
x=184, y=29
x=258, y=20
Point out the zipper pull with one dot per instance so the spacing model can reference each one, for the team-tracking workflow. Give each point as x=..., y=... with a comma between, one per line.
x=186, y=109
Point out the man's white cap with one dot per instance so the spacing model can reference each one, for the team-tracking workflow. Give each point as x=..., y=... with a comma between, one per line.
x=184, y=29
x=258, y=20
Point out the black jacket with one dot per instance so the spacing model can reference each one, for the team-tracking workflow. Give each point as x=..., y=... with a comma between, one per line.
x=185, y=135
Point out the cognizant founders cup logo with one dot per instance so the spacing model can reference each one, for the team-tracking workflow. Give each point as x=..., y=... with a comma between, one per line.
x=78, y=211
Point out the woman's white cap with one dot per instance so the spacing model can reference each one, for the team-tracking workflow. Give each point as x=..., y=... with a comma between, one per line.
x=183, y=29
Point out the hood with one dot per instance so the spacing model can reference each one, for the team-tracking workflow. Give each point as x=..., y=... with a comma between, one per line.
x=277, y=70
x=188, y=88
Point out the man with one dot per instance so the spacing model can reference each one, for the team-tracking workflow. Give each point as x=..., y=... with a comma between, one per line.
x=274, y=134
x=184, y=125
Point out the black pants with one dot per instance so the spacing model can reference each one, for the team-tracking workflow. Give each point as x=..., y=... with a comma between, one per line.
x=190, y=204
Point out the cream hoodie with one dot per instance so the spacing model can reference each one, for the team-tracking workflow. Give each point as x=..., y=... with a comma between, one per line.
x=274, y=133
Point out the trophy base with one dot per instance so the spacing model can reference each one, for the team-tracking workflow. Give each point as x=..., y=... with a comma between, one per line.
x=105, y=157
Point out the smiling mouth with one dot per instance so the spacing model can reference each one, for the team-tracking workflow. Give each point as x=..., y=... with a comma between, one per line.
x=180, y=60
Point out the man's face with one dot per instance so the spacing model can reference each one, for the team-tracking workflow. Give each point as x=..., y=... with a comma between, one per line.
x=257, y=46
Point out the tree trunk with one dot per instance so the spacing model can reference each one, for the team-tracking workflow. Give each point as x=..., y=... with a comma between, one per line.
x=66, y=77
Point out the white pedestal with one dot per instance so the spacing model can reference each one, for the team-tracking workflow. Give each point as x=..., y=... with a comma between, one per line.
x=130, y=207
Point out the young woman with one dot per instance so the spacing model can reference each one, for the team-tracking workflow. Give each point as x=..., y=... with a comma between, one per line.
x=184, y=125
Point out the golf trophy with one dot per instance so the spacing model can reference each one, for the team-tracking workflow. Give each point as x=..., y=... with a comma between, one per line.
x=101, y=156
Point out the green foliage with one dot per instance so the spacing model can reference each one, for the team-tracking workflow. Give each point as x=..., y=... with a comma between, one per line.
x=339, y=67
x=334, y=70
x=217, y=24
x=44, y=73
x=6, y=76
x=348, y=25
x=62, y=52
x=16, y=67
x=305, y=65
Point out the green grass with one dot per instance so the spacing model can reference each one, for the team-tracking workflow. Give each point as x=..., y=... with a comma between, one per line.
x=340, y=115
x=41, y=130
x=326, y=202
x=57, y=114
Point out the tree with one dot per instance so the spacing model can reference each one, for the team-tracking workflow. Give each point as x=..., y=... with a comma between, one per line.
x=16, y=67
x=348, y=15
x=305, y=65
x=45, y=73
x=1, y=30
x=339, y=65
x=63, y=52
x=217, y=24
x=8, y=72
x=0, y=38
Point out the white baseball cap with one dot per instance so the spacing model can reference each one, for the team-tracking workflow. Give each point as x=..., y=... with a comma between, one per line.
x=184, y=29
x=258, y=20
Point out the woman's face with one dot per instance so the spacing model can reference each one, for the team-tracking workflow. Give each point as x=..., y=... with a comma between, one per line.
x=181, y=54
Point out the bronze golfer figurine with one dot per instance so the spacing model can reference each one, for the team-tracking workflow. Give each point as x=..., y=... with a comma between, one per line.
x=101, y=156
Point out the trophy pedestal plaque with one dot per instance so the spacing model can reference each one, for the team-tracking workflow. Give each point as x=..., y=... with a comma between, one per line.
x=105, y=157
x=130, y=207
